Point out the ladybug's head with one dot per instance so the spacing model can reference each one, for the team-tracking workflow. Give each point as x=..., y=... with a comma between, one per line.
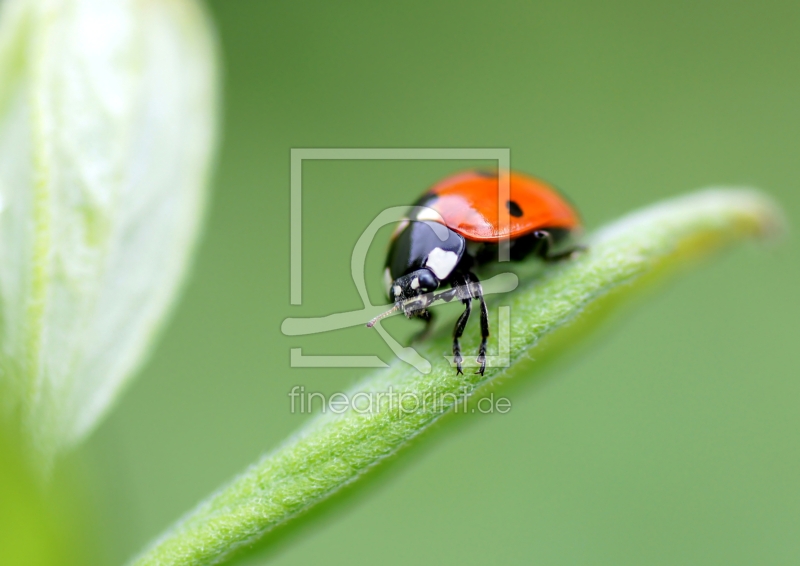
x=414, y=292
x=411, y=293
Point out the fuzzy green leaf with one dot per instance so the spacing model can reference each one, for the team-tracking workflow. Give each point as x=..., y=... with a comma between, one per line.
x=334, y=450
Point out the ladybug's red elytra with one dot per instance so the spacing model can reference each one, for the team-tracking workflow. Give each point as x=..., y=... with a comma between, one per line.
x=454, y=228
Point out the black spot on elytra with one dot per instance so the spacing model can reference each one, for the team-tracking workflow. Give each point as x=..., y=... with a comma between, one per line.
x=514, y=209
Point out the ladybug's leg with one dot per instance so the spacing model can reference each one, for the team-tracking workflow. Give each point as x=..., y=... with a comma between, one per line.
x=461, y=289
x=461, y=323
x=477, y=292
x=545, y=242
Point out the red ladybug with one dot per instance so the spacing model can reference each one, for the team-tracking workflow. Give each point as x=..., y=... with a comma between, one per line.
x=454, y=228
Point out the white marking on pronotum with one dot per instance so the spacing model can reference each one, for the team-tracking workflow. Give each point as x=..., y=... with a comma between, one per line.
x=429, y=214
x=415, y=283
x=397, y=290
x=387, y=281
x=441, y=262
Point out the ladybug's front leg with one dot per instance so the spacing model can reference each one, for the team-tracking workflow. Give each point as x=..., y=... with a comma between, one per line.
x=477, y=292
x=484, y=334
x=461, y=323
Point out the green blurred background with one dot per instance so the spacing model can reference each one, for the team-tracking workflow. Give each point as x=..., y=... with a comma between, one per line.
x=674, y=438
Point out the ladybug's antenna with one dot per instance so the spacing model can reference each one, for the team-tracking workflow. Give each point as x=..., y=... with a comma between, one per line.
x=372, y=322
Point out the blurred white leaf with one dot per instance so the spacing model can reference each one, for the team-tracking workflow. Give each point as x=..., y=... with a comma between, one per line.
x=107, y=123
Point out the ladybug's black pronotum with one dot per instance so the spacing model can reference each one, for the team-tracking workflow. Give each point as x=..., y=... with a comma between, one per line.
x=454, y=228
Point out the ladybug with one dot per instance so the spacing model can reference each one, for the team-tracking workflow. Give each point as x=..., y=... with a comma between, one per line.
x=455, y=228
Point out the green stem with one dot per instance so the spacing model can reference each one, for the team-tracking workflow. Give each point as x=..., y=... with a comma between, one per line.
x=334, y=450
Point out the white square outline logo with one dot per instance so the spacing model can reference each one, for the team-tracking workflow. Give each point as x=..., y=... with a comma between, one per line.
x=301, y=326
